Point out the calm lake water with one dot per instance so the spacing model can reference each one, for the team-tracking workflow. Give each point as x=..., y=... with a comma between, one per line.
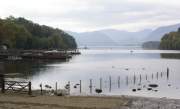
x=127, y=70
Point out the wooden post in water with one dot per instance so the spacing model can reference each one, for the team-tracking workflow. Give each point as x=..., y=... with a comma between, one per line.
x=161, y=74
x=127, y=82
x=157, y=75
x=119, y=79
x=140, y=78
x=134, y=79
x=90, y=86
x=30, y=91
x=146, y=77
x=80, y=86
x=167, y=73
x=100, y=83
x=109, y=83
x=3, y=85
x=56, y=88
x=69, y=88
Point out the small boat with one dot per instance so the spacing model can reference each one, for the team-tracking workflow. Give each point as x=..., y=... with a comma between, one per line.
x=86, y=47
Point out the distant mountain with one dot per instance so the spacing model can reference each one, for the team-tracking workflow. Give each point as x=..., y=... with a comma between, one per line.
x=110, y=37
x=125, y=36
x=94, y=38
x=157, y=34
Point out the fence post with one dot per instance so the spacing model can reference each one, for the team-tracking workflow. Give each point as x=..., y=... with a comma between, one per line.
x=2, y=83
x=80, y=86
x=30, y=91
x=41, y=89
x=140, y=78
x=119, y=81
x=90, y=86
x=109, y=83
x=100, y=80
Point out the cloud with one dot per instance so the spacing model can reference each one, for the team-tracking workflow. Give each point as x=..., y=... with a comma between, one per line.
x=87, y=15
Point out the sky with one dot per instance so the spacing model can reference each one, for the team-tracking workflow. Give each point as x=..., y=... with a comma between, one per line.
x=90, y=15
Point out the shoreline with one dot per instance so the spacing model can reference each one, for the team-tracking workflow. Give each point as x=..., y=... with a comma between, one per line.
x=21, y=101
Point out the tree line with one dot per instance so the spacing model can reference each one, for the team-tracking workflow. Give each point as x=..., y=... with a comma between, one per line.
x=19, y=33
x=171, y=41
x=151, y=45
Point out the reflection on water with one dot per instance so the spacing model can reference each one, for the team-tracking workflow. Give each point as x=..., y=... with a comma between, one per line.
x=114, y=71
x=171, y=55
x=25, y=68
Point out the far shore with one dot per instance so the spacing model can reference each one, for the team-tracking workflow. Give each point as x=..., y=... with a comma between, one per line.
x=21, y=101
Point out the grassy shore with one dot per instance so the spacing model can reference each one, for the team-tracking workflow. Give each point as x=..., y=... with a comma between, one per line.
x=15, y=101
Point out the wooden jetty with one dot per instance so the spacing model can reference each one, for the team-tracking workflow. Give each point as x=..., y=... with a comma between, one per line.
x=37, y=54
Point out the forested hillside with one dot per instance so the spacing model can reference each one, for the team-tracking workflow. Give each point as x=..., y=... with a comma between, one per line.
x=171, y=41
x=19, y=33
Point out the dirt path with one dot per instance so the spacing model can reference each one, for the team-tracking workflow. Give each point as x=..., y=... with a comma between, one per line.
x=85, y=102
x=55, y=102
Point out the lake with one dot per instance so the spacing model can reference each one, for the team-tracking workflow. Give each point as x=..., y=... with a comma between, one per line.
x=116, y=71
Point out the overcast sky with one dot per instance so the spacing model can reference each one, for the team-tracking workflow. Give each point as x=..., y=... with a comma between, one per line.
x=88, y=15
